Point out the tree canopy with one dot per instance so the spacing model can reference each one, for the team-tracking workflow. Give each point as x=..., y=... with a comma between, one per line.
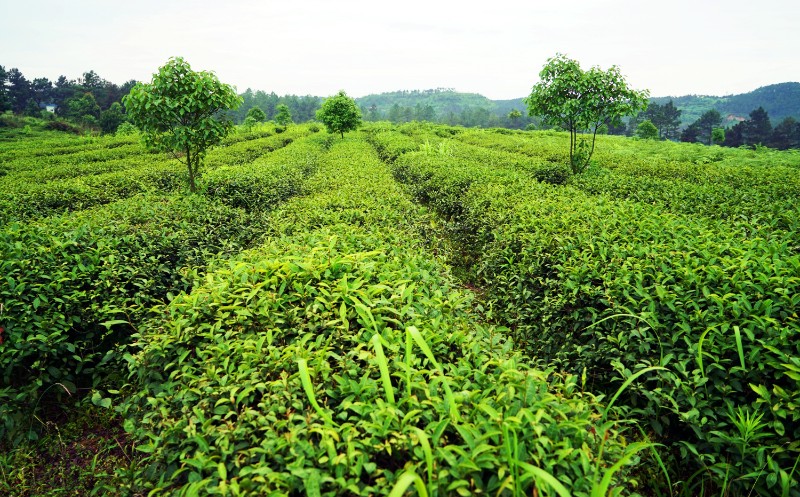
x=339, y=114
x=179, y=111
x=282, y=115
x=578, y=101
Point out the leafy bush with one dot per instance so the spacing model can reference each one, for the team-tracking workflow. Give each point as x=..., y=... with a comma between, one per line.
x=339, y=358
x=617, y=287
x=265, y=182
x=75, y=287
x=63, y=126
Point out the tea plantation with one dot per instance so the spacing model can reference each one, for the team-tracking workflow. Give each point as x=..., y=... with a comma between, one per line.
x=411, y=310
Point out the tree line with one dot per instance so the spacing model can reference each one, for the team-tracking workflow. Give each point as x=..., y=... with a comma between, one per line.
x=756, y=130
x=90, y=100
x=664, y=122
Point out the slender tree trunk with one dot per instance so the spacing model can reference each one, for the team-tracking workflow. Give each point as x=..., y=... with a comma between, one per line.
x=192, y=187
x=591, y=152
x=572, y=139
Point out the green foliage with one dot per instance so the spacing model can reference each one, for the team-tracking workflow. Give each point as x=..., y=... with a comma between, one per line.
x=717, y=136
x=339, y=356
x=577, y=100
x=618, y=287
x=646, y=130
x=112, y=118
x=126, y=129
x=339, y=114
x=282, y=115
x=178, y=112
x=257, y=114
x=73, y=288
x=266, y=181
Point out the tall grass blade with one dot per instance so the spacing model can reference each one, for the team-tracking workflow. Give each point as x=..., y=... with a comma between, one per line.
x=541, y=476
x=625, y=385
x=305, y=379
x=739, y=345
x=448, y=393
x=660, y=462
x=384, y=367
x=406, y=480
x=426, y=449
x=601, y=489
x=700, y=352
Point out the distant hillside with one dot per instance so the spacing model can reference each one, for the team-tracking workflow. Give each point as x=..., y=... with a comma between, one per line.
x=442, y=100
x=779, y=100
x=445, y=104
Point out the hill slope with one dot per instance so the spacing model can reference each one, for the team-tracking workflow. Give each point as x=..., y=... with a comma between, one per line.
x=779, y=100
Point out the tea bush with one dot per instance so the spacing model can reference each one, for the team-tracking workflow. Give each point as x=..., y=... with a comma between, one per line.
x=615, y=287
x=267, y=180
x=39, y=186
x=64, y=277
x=338, y=359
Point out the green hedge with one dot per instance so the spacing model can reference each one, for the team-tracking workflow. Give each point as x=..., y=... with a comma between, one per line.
x=64, y=277
x=53, y=188
x=615, y=287
x=266, y=181
x=267, y=378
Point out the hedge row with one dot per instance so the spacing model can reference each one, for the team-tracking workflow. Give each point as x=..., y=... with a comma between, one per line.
x=339, y=359
x=267, y=180
x=23, y=197
x=616, y=287
x=762, y=199
x=757, y=211
x=64, y=277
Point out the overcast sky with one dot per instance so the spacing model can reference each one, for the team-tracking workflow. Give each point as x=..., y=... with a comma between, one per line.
x=492, y=47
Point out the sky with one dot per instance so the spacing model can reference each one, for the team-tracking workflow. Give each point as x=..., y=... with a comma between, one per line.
x=495, y=48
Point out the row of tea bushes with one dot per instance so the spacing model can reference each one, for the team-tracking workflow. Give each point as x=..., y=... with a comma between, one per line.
x=55, y=144
x=339, y=359
x=615, y=287
x=244, y=148
x=43, y=193
x=23, y=200
x=267, y=180
x=755, y=211
x=73, y=287
x=64, y=277
x=734, y=186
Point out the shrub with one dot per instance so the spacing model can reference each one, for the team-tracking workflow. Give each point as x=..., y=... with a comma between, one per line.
x=75, y=287
x=62, y=126
x=339, y=356
x=617, y=287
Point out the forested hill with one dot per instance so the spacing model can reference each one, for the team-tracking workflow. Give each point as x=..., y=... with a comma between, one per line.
x=441, y=100
x=440, y=104
x=779, y=100
x=447, y=105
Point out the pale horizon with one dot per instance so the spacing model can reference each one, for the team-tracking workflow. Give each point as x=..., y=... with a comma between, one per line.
x=313, y=47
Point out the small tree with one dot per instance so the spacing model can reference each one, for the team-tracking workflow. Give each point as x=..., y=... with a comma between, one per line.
x=257, y=114
x=646, y=130
x=180, y=111
x=339, y=114
x=514, y=116
x=577, y=100
x=282, y=115
x=112, y=118
x=717, y=136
